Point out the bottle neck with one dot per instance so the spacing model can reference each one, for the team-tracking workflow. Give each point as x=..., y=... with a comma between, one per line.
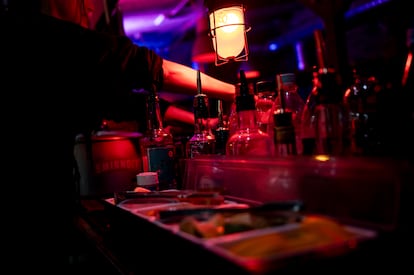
x=201, y=114
x=247, y=120
x=202, y=125
x=155, y=130
x=154, y=119
x=221, y=123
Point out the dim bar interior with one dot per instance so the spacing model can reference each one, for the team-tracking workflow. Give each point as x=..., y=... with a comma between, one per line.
x=340, y=205
x=337, y=206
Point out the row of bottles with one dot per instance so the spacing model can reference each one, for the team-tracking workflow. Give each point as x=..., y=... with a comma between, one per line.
x=330, y=121
x=240, y=136
x=266, y=122
x=273, y=120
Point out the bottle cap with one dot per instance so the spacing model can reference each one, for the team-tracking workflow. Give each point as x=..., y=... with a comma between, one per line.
x=287, y=78
x=245, y=99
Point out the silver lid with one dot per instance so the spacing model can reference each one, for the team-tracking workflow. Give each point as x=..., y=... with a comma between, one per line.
x=145, y=179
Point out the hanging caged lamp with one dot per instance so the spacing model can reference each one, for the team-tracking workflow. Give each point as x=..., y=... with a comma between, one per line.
x=228, y=30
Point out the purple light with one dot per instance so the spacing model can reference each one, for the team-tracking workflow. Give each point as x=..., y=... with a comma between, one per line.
x=299, y=55
x=159, y=19
x=364, y=7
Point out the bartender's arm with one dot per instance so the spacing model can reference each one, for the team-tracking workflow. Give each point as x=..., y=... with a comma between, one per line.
x=174, y=114
x=182, y=79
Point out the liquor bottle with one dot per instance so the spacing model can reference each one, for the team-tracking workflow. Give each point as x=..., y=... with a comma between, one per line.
x=222, y=130
x=157, y=145
x=330, y=118
x=361, y=101
x=289, y=101
x=248, y=139
x=308, y=130
x=265, y=98
x=203, y=141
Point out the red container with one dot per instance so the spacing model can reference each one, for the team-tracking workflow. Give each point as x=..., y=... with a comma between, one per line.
x=108, y=162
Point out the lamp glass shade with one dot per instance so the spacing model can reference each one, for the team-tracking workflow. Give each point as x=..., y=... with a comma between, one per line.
x=228, y=31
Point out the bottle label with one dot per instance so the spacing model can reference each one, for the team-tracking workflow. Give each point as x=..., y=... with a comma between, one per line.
x=161, y=160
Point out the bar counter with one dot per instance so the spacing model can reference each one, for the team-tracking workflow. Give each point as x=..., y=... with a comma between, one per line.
x=371, y=194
